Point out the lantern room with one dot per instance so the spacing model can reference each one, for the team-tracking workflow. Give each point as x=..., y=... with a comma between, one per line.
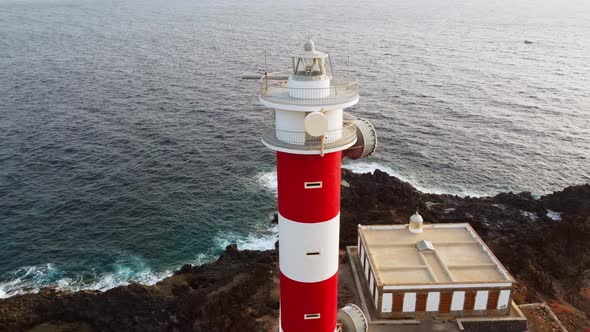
x=310, y=65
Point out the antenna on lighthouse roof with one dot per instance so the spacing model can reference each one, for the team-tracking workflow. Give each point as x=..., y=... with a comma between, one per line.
x=265, y=66
x=265, y=76
x=348, y=61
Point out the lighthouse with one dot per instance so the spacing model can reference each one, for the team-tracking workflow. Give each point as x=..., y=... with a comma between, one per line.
x=310, y=133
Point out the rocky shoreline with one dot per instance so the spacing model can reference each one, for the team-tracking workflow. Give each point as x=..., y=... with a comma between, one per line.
x=239, y=292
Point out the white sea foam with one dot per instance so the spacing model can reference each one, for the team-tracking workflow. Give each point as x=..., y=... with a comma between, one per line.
x=370, y=167
x=554, y=215
x=27, y=279
x=268, y=180
x=11, y=288
x=258, y=241
x=532, y=216
x=106, y=281
x=204, y=258
x=30, y=279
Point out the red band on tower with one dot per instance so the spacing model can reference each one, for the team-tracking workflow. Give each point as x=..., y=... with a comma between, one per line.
x=299, y=299
x=309, y=205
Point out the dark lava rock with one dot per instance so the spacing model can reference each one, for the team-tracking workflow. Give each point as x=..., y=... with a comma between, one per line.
x=572, y=200
x=549, y=259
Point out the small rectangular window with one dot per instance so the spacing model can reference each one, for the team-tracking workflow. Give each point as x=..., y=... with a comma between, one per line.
x=313, y=253
x=311, y=316
x=313, y=185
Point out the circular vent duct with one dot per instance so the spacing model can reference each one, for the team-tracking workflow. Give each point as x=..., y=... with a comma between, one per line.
x=352, y=319
x=366, y=140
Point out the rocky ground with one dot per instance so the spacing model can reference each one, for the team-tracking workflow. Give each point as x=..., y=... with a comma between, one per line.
x=540, y=318
x=239, y=292
x=550, y=259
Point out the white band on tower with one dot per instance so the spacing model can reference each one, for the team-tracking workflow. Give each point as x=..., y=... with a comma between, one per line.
x=308, y=252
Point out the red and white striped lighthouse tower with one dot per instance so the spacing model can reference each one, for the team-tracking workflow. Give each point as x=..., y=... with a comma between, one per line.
x=310, y=133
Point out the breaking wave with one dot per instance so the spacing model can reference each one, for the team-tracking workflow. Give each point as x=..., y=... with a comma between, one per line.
x=30, y=279
x=27, y=279
x=264, y=240
x=370, y=167
x=268, y=180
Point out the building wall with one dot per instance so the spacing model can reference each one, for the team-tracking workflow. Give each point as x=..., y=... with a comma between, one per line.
x=418, y=303
x=369, y=274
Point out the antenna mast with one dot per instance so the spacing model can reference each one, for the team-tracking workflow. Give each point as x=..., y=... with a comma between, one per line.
x=348, y=61
x=265, y=73
x=265, y=65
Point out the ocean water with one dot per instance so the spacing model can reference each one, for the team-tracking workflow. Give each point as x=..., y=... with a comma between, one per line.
x=129, y=145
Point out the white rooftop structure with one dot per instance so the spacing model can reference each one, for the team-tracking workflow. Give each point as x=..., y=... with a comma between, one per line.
x=430, y=270
x=441, y=253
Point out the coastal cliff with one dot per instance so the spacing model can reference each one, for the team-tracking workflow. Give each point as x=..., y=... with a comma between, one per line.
x=544, y=243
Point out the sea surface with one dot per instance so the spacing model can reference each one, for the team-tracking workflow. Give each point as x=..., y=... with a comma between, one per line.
x=129, y=146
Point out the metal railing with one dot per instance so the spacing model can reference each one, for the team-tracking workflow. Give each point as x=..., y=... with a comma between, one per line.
x=341, y=91
x=300, y=140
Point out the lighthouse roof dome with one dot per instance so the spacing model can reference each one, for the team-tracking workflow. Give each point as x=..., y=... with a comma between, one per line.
x=309, y=51
x=309, y=45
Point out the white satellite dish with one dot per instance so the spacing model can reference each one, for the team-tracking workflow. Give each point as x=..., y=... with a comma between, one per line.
x=316, y=124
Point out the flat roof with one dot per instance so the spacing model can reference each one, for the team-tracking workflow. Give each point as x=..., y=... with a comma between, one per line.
x=441, y=254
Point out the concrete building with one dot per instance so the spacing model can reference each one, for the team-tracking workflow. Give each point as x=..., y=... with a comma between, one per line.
x=445, y=269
